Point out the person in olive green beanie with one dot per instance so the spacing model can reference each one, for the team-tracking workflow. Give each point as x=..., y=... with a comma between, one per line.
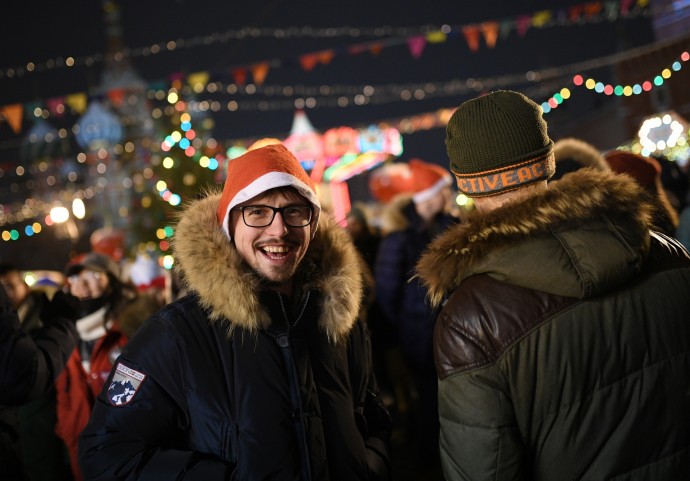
x=562, y=346
x=498, y=143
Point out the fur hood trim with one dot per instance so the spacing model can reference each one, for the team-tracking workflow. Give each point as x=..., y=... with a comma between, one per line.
x=581, y=198
x=581, y=152
x=210, y=266
x=393, y=218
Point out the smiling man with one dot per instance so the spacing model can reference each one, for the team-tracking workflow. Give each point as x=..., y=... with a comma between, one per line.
x=263, y=371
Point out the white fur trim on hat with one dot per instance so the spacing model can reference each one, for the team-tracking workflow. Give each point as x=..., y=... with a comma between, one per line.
x=427, y=194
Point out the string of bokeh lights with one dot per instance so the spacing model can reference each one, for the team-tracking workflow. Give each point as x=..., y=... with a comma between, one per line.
x=618, y=90
x=184, y=139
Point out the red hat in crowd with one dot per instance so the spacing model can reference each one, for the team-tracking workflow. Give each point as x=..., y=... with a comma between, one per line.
x=645, y=170
x=427, y=179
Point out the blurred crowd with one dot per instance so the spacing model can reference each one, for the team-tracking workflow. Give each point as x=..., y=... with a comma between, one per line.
x=415, y=202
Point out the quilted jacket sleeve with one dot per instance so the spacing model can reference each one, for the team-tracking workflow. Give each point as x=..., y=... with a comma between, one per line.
x=479, y=437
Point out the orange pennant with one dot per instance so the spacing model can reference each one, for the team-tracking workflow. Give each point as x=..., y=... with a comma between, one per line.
x=471, y=33
x=375, y=48
x=593, y=9
x=259, y=72
x=13, y=114
x=490, y=32
x=326, y=56
x=308, y=61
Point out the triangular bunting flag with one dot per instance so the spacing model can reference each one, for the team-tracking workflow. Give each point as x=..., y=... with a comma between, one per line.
x=357, y=49
x=13, y=114
x=575, y=12
x=490, y=32
x=198, y=81
x=308, y=61
x=436, y=37
x=471, y=33
x=611, y=9
x=523, y=22
x=625, y=6
x=506, y=27
x=592, y=9
x=77, y=102
x=326, y=56
x=56, y=106
x=259, y=72
x=540, y=19
x=416, y=45
x=239, y=75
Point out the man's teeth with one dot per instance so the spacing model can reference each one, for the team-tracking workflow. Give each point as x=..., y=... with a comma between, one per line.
x=276, y=249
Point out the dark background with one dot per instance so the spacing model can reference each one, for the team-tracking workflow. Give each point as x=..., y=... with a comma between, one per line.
x=44, y=31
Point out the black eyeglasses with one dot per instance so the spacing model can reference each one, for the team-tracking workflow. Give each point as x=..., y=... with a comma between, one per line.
x=263, y=215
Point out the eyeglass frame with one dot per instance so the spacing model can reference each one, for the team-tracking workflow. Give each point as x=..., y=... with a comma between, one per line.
x=275, y=211
x=86, y=275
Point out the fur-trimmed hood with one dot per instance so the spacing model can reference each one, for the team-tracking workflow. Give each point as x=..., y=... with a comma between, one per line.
x=583, y=235
x=209, y=265
x=393, y=217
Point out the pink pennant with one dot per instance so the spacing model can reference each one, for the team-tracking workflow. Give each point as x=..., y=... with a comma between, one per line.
x=416, y=45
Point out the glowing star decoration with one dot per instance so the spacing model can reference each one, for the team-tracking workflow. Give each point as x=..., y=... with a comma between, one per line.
x=661, y=132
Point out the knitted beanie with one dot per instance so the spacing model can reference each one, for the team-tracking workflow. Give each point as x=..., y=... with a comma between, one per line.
x=427, y=179
x=259, y=170
x=94, y=261
x=498, y=142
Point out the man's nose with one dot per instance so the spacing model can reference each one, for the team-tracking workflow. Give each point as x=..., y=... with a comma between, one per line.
x=278, y=227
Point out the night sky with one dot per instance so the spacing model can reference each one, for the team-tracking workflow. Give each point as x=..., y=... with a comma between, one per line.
x=45, y=31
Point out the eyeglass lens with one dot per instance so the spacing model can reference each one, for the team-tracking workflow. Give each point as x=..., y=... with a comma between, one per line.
x=263, y=215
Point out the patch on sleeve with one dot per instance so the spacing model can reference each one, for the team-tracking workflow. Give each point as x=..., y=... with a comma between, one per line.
x=125, y=384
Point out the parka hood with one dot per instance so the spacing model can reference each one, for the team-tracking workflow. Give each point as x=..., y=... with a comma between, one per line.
x=585, y=234
x=209, y=266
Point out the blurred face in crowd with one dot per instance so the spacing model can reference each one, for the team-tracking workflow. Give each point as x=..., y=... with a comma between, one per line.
x=88, y=284
x=273, y=251
x=429, y=208
x=17, y=290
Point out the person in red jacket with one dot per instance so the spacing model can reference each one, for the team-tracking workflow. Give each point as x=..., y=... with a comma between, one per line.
x=111, y=311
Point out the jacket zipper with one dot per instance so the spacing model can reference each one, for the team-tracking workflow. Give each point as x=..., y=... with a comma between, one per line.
x=297, y=413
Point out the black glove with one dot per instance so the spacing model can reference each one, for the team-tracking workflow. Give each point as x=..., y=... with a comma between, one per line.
x=62, y=305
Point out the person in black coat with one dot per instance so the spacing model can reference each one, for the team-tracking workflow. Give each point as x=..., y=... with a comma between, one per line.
x=263, y=371
x=29, y=364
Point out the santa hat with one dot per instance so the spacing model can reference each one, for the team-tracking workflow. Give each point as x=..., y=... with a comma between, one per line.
x=645, y=170
x=427, y=180
x=259, y=170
